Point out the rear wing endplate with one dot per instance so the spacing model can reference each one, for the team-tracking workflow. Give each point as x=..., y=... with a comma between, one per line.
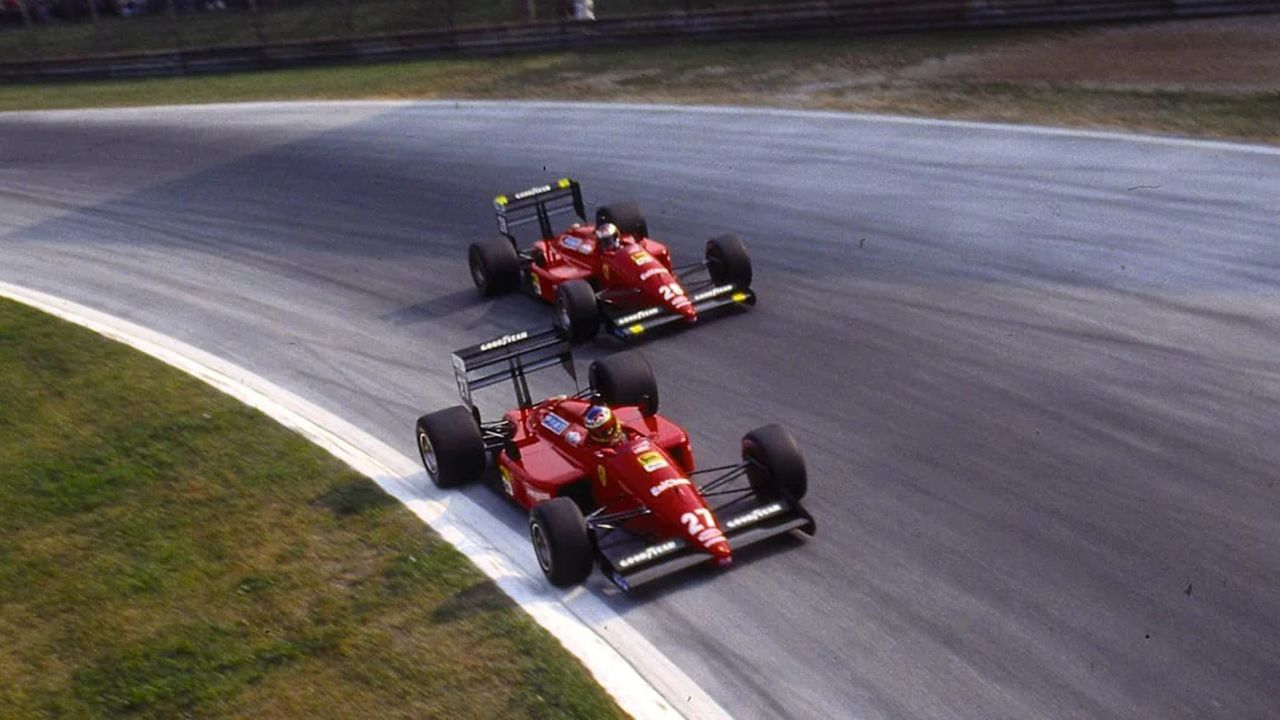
x=539, y=204
x=511, y=357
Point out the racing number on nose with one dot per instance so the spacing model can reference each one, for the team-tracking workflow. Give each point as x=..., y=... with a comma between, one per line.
x=698, y=520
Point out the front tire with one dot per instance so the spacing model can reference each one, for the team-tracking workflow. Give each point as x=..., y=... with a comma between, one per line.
x=561, y=541
x=625, y=379
x=776, y=467
x=728, y=262
x=495, y=267
x=450, y=446
x=577, y=311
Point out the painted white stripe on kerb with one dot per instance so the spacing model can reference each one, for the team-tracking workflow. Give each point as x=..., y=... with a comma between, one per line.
x=583, y=623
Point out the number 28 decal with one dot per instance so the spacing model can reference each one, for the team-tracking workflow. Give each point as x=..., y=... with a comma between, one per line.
x=670, y=291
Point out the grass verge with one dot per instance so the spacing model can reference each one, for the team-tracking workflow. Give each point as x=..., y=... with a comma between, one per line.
x=904, y=74
x=168, y=552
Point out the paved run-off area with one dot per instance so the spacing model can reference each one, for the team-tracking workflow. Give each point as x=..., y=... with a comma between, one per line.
x=1033, y=373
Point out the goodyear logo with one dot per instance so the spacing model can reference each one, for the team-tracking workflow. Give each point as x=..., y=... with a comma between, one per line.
x=649, y=553
x=713, y=292
x=504, y=341
x=532, y=191
x=641, y=315
x=755, y=516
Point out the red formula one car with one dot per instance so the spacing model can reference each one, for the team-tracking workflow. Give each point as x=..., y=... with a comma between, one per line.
x=611, y=272
x=606, y=480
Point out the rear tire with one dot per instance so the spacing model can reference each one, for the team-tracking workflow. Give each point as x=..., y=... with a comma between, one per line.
x=625, y=379
x=776, y=466
x=495, y=267
x=577, y=311
x=626, y=216
x=728, y=262
x=561, y=541
x=450, y=446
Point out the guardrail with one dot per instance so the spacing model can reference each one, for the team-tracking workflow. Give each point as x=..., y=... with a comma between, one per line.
x=850, y=16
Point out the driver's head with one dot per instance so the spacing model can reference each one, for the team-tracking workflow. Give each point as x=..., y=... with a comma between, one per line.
x=607, y=236
x=602, y=426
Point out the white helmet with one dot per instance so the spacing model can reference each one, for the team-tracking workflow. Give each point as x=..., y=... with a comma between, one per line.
x=607, y=236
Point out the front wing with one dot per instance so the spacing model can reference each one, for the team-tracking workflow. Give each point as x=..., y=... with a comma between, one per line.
x=745, y=522
x=627, y=324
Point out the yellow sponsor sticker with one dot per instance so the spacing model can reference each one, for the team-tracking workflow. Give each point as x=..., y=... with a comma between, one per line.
x=651, y=461
x=604, y=476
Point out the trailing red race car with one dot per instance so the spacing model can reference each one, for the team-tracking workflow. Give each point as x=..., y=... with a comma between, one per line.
x=611, y=272
x=606, y=480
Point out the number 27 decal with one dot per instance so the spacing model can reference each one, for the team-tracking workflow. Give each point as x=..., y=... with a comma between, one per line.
x=698, y=520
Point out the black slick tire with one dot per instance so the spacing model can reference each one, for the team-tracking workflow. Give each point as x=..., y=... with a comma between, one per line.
x=495, y=267
x=728, y=262
x=450, y=446
x=577, y=311
x=625, y=379
x=626, y=216
x=561, y=541
x=776, y=467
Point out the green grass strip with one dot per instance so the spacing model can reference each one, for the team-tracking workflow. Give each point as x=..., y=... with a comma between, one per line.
x=168, y=552
x=882, y=74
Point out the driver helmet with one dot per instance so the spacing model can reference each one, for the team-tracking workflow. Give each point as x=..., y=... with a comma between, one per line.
x=607, y=236
x=602, y=426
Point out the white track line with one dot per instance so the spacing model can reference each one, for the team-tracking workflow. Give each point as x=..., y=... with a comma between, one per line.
x=578, y=619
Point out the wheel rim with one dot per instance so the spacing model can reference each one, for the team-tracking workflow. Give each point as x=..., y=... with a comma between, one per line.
x=540, y=547
x=428, y=455
x=477, y=271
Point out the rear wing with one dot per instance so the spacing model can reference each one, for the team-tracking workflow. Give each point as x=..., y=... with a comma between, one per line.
x=539, y=204
x=511, y=357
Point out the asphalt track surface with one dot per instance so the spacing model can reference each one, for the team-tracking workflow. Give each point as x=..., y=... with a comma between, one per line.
x=1036, y=376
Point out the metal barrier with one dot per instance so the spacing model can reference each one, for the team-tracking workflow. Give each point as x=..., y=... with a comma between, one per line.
x=849, y=16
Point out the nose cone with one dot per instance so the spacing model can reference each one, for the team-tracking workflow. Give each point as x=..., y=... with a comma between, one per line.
x=721, y=554
x=712, y=540
x=683, y=306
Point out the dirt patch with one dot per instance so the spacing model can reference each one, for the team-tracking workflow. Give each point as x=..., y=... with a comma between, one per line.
x=1241, y=53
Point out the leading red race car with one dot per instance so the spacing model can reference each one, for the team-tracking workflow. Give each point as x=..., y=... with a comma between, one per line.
x=611, y=272
x=606, y=480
